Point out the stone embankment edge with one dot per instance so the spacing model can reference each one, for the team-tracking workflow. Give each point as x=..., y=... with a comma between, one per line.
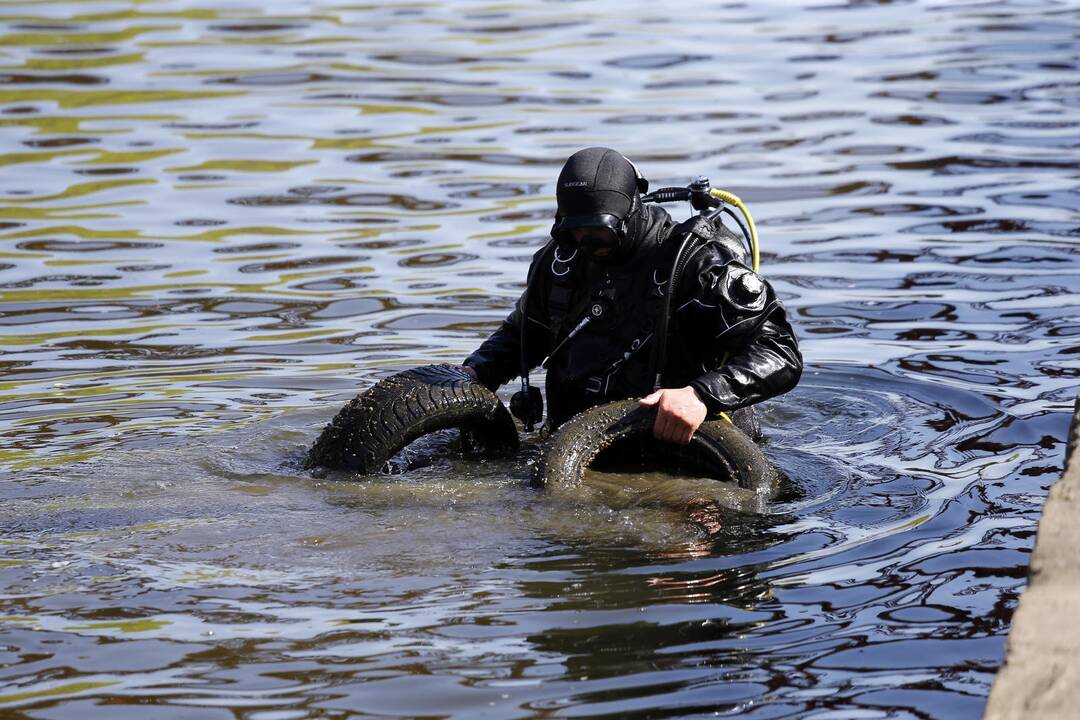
x=1041, y=674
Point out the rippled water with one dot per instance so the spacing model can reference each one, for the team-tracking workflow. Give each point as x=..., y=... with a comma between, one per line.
x=222, y=220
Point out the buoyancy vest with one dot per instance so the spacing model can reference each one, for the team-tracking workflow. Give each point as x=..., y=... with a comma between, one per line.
x=607, y=357
x=612, y=356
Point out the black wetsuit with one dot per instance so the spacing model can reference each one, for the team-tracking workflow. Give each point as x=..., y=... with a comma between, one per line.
x=729, y=337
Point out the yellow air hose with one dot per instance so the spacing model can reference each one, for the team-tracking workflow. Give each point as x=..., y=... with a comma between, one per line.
x=733, y=199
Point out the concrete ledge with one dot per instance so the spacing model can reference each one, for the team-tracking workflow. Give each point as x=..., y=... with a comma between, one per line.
x=1041, y=674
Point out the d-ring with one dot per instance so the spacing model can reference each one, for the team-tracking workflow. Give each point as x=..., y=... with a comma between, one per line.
x=564, y=261
x=659, y=284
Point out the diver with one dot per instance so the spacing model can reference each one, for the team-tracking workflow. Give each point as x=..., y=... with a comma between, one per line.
x=593, y=312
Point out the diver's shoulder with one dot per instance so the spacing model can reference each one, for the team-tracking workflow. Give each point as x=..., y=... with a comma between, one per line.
x=658, y=214
x=717, y=245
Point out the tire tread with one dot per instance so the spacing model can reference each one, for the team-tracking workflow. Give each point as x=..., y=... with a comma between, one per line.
x=378, y=423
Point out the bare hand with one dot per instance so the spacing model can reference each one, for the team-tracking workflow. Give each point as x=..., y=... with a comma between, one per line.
x=469, y=371
x=679, y=413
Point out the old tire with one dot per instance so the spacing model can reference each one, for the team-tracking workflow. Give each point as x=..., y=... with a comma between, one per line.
x=378, y=423
x=718, y=447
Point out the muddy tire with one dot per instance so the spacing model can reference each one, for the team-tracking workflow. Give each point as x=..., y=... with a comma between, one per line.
x=718, y=447
x=375, y=425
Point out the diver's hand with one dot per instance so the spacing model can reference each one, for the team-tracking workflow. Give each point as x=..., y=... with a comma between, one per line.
x=468, y=371
x=679, y=413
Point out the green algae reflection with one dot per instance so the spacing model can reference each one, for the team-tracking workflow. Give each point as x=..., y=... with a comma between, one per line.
x=69, y=689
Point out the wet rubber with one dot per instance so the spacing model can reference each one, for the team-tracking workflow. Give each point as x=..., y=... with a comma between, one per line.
x=718, y=447
x=375, y=425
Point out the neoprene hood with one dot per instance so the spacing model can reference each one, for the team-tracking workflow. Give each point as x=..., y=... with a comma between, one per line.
x=597, y=187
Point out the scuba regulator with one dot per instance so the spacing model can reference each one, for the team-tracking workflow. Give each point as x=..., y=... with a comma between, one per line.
x=711, y=202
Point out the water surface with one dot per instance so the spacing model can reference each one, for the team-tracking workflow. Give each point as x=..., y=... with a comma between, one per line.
x=221, y=221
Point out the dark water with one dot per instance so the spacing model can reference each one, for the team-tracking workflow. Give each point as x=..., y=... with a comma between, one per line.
x=222, y=220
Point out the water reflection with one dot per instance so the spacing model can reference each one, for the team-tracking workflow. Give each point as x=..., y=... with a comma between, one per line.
x=222, y=223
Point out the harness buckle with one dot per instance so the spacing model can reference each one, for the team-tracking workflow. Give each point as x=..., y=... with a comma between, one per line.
x=598, y=384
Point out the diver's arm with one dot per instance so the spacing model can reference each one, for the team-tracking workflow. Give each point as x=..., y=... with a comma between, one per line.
x=766, y=364
x=769, y=364
x=498, y=359
x=679, y=413
x=754, y=349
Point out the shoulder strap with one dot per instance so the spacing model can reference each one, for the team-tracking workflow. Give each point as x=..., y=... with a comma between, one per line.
x=687, y=235
x=564, y=276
